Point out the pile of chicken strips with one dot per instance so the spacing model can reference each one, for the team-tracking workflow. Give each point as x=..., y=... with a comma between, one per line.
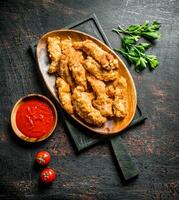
x=87, y=80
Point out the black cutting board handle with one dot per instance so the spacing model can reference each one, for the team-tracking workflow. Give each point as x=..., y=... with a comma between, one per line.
x=127, y=165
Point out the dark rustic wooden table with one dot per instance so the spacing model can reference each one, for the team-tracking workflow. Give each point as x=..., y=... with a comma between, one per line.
x=91, y=174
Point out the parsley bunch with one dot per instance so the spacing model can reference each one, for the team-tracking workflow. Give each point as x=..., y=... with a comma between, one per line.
x=135, y=52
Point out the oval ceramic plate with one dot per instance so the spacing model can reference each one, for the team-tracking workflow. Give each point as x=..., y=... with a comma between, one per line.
x=112, y=126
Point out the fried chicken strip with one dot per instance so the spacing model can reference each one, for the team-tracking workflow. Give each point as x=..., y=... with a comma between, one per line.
x=63, y=69
x=95, y=69
x=71, y=61
x=83, y=106
x=102, y=102
x=106, y=60
x=64, y=94
x=77, y=69
x=54, y=50
x=120, y=106
x=64, y=72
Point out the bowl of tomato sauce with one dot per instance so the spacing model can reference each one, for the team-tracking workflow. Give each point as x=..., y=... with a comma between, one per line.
x=34, y=118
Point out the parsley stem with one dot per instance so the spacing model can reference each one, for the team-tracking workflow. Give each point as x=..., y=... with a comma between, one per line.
x=118, y=32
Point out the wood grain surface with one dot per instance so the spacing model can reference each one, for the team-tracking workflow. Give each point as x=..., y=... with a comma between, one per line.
x=91, y=174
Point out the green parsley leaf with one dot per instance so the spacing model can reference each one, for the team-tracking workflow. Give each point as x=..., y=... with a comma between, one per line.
x=129, y=40
x=145, y=45
x=135, y=52
x=151, y=35
x=153, y=61
x=149, y=31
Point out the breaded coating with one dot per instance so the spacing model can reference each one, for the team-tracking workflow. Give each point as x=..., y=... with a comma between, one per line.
x=120, y=82
x=120, y=105
x=96, y=70
x=83, y=106
x=104, y=105
x=97, y=85
x=63, y=69
x=102, y=102
x=106, y=60
x=72, y=61
x=64, y=72
x=54, y=50
x=110, y=91
x=77, y=69
x=64, y=94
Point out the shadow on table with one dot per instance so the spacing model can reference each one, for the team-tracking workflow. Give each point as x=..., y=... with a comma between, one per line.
x=28, y=145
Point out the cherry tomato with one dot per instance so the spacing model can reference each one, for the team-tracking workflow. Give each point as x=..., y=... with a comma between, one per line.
x=43, y=158
x=47, y=176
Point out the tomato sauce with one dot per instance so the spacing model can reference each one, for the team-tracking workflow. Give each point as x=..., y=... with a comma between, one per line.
x=35, y=118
